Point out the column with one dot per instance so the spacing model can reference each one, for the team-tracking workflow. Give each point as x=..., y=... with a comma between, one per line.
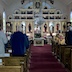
x=4, y=22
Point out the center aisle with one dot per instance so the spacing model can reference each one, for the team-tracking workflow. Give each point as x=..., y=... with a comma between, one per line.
x=42, y=60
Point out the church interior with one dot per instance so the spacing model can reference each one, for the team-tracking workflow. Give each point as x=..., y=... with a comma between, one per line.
x=35, y=35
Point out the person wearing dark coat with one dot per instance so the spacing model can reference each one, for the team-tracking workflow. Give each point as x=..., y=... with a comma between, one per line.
x=18, y=44
x=68, y=37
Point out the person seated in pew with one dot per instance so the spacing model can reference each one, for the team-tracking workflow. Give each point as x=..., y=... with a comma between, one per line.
x=19, y=43
x=68, y=36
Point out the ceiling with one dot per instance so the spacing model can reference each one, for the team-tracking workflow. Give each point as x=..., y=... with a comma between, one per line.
x=67, y=2
x=9, y=2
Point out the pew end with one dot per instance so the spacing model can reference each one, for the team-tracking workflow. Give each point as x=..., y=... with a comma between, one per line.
x=65, y=56
x=15, y=61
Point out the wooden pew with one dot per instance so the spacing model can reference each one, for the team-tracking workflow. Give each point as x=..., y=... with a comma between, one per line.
x=11, y=69
x=61, y=50
x=55, y=47
x=15, y=61
x=65, y=55
x=26, y=55
x=69, y=61
x=64, y=52
x=11, y=61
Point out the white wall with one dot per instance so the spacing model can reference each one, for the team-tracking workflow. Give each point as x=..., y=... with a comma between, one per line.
x=59, y=5
x=69, y=10
x=16, y=5
x=2, y=7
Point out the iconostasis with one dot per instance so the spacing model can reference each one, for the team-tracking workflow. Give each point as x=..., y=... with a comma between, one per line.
x=31, y=29
x=53, y=27
x=26, y=27
x=47, y=28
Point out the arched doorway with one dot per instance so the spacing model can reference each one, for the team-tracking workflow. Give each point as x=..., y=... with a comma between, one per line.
x=51, y=27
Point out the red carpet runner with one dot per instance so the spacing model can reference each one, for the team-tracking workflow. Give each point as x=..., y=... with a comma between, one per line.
x=42, y=60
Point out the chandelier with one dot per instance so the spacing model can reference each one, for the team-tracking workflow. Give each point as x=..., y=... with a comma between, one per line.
x=40, y=18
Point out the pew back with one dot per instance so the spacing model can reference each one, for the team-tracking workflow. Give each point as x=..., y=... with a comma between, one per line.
x=10, y=69
x=13, y=61
x=65, y=55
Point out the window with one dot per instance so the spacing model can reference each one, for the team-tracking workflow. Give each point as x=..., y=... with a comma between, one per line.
x=4, y=22
x=71, y=16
